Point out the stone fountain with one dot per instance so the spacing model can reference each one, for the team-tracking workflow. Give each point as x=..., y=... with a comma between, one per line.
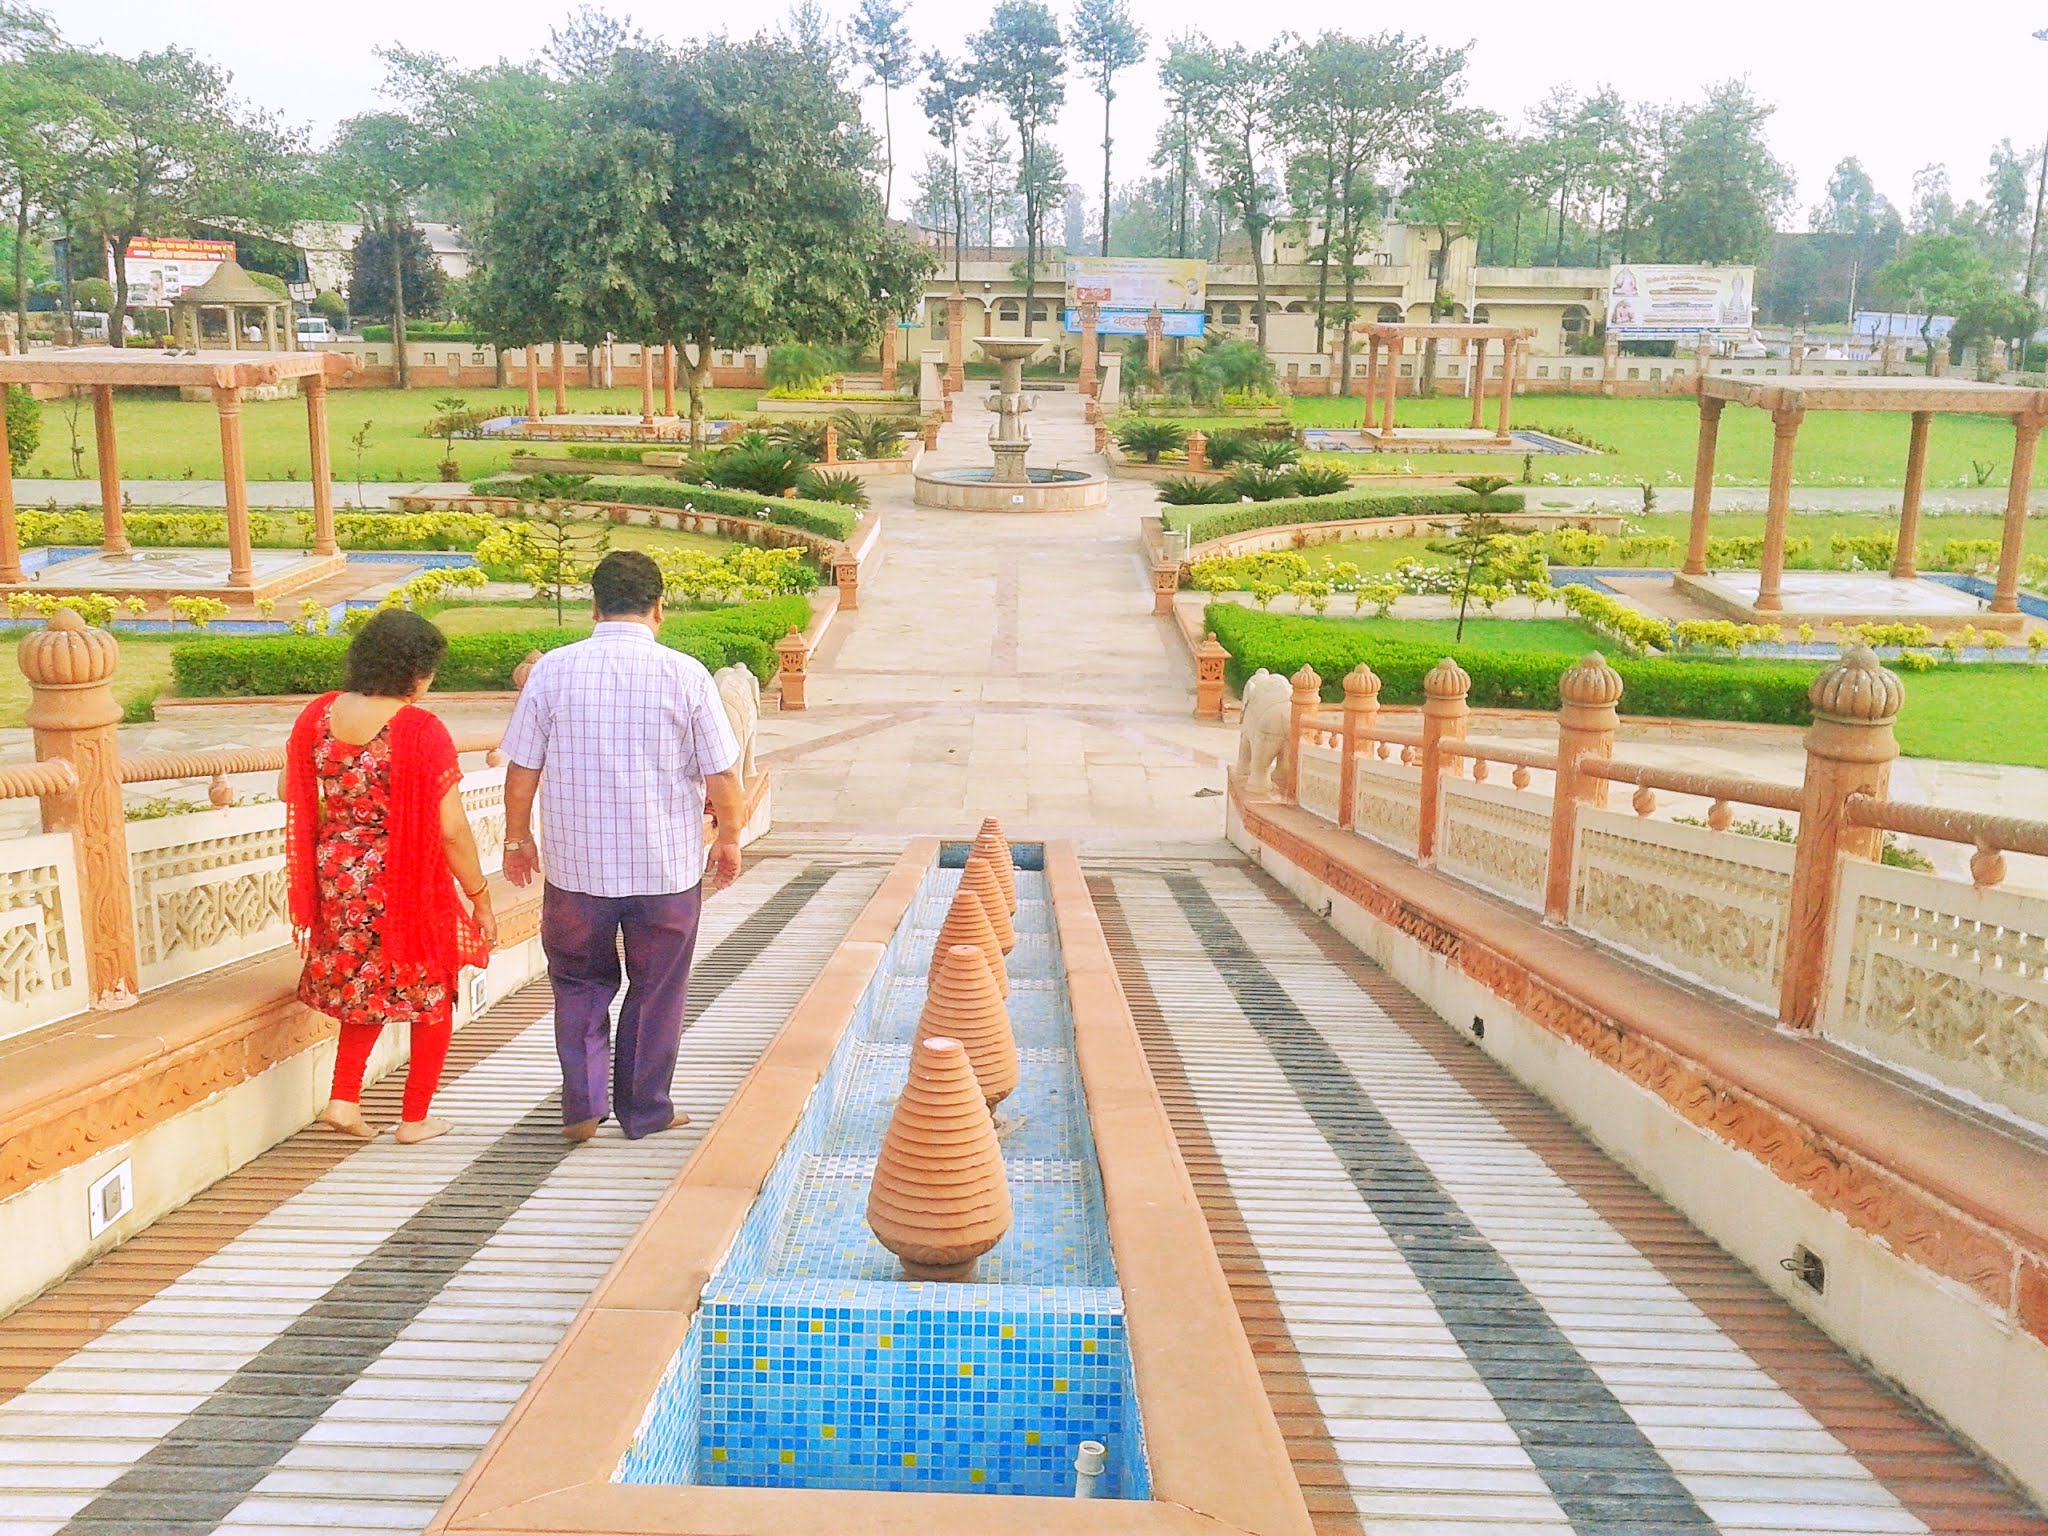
x=1010, y=485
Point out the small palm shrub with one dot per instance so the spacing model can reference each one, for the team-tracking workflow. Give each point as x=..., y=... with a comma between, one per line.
x=1194, y=491
x=1270, y=453
x=1320, y=480
x=765, y=467
x=838, y=485
x=1228, y=447
x=1149, y=439
x=804, y=437
x=872, y=437
x=1253, y=482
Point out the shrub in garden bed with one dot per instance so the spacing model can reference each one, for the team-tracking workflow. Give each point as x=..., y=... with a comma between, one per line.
x=1348, y=505
x=1148, y=439
x=834, y=522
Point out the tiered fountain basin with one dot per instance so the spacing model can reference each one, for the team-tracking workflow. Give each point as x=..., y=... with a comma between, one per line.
x=756, y=1362
x=977, y=490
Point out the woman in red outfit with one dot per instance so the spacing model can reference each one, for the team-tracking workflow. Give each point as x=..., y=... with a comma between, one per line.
x=378, y=848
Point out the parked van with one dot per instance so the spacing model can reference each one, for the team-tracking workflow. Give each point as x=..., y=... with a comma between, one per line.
x=314, y=329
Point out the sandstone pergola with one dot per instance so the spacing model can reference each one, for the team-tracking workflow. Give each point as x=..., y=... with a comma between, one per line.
x=1471, y=339
x=1789, y=399
x=227, y=375
x=238, y=300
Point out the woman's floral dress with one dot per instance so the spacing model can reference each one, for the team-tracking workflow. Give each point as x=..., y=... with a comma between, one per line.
x=346, y=974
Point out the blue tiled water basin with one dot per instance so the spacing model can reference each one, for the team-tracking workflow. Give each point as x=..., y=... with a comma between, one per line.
x=813, y=1363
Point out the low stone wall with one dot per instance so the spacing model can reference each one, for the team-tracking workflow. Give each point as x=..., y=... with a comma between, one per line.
x=768, y=406
x=1307, y=535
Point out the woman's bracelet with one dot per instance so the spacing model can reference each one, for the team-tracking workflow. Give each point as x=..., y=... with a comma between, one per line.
x=472, y=895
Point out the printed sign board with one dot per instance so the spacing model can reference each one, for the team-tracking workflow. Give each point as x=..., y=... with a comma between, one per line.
x=1660, y=302
x=1880, y=325
x=1137, y=282
x=160, y=270
x=1131, y=322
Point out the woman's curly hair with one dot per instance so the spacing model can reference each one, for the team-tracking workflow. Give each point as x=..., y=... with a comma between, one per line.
x=392, y=654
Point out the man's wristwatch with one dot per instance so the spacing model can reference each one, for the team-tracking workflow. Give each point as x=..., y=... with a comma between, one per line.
x=515, y=845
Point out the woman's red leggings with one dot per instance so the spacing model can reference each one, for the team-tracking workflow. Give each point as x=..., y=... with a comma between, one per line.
x=422, y=1075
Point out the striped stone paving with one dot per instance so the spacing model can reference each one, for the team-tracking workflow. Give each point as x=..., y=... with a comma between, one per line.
x=1469, y=1321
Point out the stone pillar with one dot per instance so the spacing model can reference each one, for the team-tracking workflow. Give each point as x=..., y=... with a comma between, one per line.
x=1778, y=511
x=1301, y=711
x=1165, y=583
x=1703, y=484
x=10, y=532
x=1101, y=438
x=794, y=659
x=1389, y=383
x=956, y=342
x=1586, y=722
x=831, y=444
x=1372, y=379
x=1610, y=366
x=1155, y=340
x=1941, y=356
x=1210, y=657
x=1510, y=360
x=1479, y=384
x=227, y=401
x=846, y=578
x=1849, y=751
x=532, y=352
x=320, y=470
x=115, y=538
x=1198, y=451
x=646, y=385
x=2026, y=437
x=1795, y=357
x=888, y=352
x=1444, y=715
x=1906, y=555
x=561, y=379
x=668, y=379
x=1361, y=717
x=72, y=712
x=1702, y=355
x=1091, y=317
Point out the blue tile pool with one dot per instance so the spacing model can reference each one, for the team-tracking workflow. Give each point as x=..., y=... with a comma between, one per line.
x=813, y=1363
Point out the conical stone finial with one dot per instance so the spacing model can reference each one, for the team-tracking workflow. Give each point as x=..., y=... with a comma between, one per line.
x=939, y=1200
x=980, y=877
x=964, y=1005
x=991, y=843
x=1856, y=689
x=967, y=923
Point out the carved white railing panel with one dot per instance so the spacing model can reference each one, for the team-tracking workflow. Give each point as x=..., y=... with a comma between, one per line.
x=1710, y=906
x=483, y=798
x=1496, y=837
x=42, y=932
x=1944, y=980
x=1318, y=780
x=1386, y=804
x=209, y=889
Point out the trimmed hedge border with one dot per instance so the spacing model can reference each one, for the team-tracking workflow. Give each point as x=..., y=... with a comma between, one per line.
x=1346, y=505
x=1686, y=688
x=298, y=664
x=821, y=517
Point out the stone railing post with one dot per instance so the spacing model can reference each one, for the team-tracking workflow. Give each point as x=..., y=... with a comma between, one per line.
x=1849, y=751
x=70, y=670
x=1361, y=716
x=1444, y=714
x=1586, y=722
x=1301, y=713
x=794, y=660
x=1101, y=438
x=1210, y=657
x=831, y=445
x=846, y=578
x=1198, y=451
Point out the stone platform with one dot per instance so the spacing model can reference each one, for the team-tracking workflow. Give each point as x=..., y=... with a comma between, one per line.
x=160, y=574
x=1826, y=598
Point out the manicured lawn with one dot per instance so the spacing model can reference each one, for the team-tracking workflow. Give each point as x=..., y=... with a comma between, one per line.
x=1994, y=714
x=163, y=439
x=144, y=672
x=503, y=618
x=1538, y=636
x=1653, y=440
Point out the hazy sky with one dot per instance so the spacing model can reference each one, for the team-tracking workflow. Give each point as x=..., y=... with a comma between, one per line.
x=1899, y=84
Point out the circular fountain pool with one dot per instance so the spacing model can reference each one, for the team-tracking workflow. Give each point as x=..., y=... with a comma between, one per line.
x=1045, y=490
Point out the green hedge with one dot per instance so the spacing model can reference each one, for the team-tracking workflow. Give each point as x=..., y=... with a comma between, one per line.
x=425, y=330
x=1768, y=692
x=1345, y=505
x=285, y=664
x=820, y=517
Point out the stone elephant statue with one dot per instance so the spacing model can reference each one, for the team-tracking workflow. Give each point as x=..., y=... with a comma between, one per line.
x=739, y=691
x=1262, y=733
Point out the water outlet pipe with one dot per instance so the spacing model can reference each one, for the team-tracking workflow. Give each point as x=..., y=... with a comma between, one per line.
x=1088, y=1466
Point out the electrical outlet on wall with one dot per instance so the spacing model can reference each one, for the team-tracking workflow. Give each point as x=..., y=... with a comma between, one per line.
x=111, y=1196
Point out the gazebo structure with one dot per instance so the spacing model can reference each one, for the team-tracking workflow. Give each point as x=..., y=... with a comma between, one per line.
x=1471, y=340
x=118, y=568
x=1837, y=597
x=222, y=311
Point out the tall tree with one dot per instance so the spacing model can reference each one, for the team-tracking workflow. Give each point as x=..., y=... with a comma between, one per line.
x=49, y=128
x=1239, y=105
x=883, y=44
x=1934, y=205
x=1181, y=76
x=1722, y=186
x=992, y=170
x=377, y=163
x=1107, y=41
x=477, y=129
x=1852, y=207
x=1558, y=130
x=1934, y=274
x=1455, y=187
x=946, y=99
x=1018, y=61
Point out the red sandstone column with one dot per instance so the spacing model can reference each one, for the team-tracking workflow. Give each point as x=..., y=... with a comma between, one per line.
x=1510, y=347
x=1703, y=485
x=227, y=401
x=561, y=379
x=1197, y=452
x=321, y=466
x=888, y=349
x=1210, y=657
x=1155, y=340
x=10, y=534
x=1778, y=511
x=1301, y=711
x=1444, y=715
x=668, y=379
x=2026, y=437
x=956, y=342
x=1906, y=556
x=1091, y=316
x=1849, y=751
x=646, y=385
x=1390, y=383
x=1361, y=717
x=115, y=538
x=532, y=352
x=1586, y=722
x=72, y=712
x=1478, y=383
x=1372, y=379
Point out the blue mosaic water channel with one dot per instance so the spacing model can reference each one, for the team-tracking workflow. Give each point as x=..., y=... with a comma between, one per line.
x=813, y=1363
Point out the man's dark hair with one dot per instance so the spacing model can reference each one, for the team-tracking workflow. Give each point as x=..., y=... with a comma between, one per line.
x=625, y=584
x=392, y=654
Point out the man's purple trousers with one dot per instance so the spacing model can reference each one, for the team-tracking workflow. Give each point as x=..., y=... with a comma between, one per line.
x=626, y=1073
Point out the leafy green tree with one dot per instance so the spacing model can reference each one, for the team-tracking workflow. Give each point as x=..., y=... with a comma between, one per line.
x=1991, y=311
x=24, y=427
x=477, y=129
x=991, y=182
x=1107, y=41
x=48, y=128
x=947, y=98
x=1017, y=60
x=1722, y=186
x=374, y=259
x=1455, y=187
x=883, y=45
x=1934, y=274
x=1240, y=108
x=1477, y=546
x=553, y=548
x=378, y=163
x=1177, y=150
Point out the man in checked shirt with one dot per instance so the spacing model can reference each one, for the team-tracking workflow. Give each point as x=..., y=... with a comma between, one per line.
x=624, y=739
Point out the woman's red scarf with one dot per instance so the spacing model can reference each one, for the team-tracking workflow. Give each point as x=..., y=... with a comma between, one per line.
x=424, y=922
